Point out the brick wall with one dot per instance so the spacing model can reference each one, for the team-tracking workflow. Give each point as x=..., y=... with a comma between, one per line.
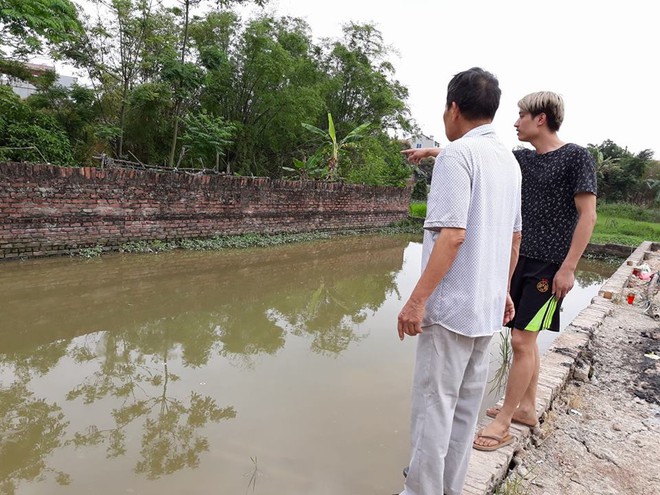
x=47, y=210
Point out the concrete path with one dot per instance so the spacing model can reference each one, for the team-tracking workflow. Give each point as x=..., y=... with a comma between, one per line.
x=599, y=402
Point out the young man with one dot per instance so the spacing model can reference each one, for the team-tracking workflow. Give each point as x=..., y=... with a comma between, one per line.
x=559, y=214
x=471, y=240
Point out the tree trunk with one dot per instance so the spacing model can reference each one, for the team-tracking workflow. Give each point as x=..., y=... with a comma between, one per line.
x=175, y=134
x=122, y=119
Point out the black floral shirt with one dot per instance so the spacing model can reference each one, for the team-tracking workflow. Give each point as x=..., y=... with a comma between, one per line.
x=549, y=183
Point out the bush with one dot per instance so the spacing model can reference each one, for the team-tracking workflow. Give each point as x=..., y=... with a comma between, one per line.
x=35, y=136
x=375, y=160
x=421, y=190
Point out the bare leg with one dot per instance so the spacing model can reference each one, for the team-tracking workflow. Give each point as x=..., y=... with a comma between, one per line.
x=527, y=406
x=523, y=379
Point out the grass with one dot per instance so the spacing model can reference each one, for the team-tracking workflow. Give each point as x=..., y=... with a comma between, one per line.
x=514, y=485
x=418, y=209
x=618, y=223
x=611, y=229
x=630, y=212
x=501, y=376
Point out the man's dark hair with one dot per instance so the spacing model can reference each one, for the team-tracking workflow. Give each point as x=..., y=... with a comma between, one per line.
x=476, y=92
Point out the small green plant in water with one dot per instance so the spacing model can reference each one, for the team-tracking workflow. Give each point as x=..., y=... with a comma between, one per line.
x=156, y=246
x=91, y=252
x=249, y=240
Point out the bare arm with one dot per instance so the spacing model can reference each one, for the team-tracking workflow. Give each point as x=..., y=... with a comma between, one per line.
x=509, y=308
x=585, y=203
x=444, y=253
x=415, y=155
x=515, y=251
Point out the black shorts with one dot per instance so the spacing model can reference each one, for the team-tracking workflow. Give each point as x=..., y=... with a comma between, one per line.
x=531, y=291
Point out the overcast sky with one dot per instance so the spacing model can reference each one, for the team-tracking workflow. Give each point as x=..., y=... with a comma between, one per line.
x=601, y=56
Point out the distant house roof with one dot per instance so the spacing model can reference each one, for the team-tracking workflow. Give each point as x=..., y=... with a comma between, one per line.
x=25, y=89
x=423, y=141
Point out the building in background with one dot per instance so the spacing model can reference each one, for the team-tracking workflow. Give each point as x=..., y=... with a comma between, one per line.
x=423, y=141
x=25, y=89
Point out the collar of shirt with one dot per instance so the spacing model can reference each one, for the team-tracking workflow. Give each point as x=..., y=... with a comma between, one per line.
x=481, y=130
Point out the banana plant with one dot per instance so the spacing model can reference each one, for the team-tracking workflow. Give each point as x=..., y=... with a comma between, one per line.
x=654, y=184
x=309, y=168
x=336, y=146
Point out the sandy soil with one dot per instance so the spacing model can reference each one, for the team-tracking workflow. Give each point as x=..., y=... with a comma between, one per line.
x=602, y=434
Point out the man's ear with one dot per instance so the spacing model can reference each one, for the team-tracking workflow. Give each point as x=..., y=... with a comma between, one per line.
x=541, y=119
x=454, y=111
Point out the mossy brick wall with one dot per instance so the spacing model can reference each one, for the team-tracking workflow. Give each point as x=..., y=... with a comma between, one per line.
x=47, y=210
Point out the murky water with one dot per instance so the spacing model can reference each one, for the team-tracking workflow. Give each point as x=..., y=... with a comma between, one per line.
x=269, y=371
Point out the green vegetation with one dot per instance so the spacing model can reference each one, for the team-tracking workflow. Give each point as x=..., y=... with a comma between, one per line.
x=195, y=85
x=333, y=147
x=29, y=26
x=246, y=240
x=630, y=212
x=624, y=176
x=626, y=224
x=618, y=223
x=514, y=484
x=418, y=209
x=91, y=252
x=501, y=376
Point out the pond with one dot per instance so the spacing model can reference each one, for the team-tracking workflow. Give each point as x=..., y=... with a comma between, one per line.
x=269, y=371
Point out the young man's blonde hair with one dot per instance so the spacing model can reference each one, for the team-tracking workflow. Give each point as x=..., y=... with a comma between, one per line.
x=547, y=102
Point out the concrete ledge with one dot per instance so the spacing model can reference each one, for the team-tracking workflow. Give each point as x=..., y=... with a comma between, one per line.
x=487, y=469
x=614, y=286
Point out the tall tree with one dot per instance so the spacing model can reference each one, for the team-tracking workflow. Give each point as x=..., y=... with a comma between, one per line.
x=361, y=86
x=620, y=172
x=112, y=52
x=180, y=92
x=30, y=27
x=265, y=80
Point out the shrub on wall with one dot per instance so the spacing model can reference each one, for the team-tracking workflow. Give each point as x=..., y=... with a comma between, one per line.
x=30, y=135
x=376, y=160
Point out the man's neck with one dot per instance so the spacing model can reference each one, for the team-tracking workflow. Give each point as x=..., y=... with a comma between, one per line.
x=546, y=143
x=468, y=125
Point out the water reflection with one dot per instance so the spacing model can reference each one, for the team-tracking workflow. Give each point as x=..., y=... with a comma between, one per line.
x=174, y=373
x=140, y=382
x=94, y=353
x=31, y=428
x=592, y=271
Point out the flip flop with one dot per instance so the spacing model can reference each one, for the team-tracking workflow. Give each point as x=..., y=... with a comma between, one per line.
x=501, y=441
x=492, y=412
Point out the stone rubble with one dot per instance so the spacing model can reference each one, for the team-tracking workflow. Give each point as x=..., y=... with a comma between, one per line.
x=598, y=400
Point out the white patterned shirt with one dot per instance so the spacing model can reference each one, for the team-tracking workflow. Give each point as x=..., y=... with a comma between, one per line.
x=476, y=187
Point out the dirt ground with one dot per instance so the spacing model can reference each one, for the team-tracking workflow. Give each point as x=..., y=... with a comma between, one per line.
x=602, y=434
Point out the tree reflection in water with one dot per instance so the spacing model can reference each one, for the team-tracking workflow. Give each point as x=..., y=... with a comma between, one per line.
x=169, y=438
x=179, y=311
x=30, y=429
x=332, y=312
